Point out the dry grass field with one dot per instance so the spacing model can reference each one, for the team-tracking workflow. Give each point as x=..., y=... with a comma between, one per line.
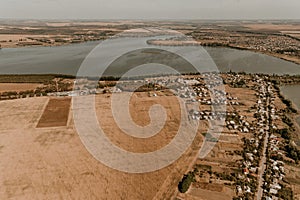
x=8, y=87
x=274, y=27
x=139, y=107
x=56, y=113
x=52, y=162
x=293, y=176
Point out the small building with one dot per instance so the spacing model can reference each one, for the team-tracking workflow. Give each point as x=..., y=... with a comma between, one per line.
x=273, y=191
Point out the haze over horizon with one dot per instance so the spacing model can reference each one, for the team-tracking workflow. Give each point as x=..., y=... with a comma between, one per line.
x=145, y=9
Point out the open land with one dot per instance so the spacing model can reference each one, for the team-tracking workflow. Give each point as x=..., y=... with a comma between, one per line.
x=9, y=87
x=51, y=162
x=56, y=113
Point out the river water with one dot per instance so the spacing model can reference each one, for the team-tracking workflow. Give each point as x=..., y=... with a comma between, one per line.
x=44, y=60
x=292, y=92
x=67, y=60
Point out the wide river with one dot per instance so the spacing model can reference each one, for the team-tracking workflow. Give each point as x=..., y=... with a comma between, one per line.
x=67, y=60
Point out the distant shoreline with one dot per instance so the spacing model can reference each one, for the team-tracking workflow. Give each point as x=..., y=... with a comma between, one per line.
x=39, y=78
x=216, y=45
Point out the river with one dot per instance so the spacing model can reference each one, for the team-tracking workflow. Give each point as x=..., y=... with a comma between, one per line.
x=67, y=59
x=44, y=60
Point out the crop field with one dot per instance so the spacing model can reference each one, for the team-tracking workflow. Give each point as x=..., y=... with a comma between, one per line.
x=52, y=163
x=56, y=113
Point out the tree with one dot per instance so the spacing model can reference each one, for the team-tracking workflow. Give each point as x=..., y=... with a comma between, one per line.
x=186, y=182
x=285, y=193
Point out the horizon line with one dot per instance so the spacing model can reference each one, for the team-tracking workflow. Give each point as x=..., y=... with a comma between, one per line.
x=158, y=19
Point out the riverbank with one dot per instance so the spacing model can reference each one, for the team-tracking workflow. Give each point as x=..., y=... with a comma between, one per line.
x=293, y=59
x=291, y=93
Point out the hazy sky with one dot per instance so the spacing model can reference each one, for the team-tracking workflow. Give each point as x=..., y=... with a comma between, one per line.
x=150, y=9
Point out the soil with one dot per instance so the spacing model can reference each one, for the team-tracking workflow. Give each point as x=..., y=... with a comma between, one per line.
x=56, y=113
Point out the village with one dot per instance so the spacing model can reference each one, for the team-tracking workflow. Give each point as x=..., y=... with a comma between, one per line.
x=260, y=170
x=254, y=41
x=274, y=42
x=249, y=158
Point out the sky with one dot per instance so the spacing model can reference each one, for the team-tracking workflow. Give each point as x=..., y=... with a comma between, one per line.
x=150, y=9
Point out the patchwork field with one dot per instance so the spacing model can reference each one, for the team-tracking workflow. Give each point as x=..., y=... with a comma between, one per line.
x=56, y=113
x=52, y=163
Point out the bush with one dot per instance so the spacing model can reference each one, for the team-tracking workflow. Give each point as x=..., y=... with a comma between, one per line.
x=285, y=193
x=287, y=121
x=292, y=152
x=186, y=182
x=284, y=133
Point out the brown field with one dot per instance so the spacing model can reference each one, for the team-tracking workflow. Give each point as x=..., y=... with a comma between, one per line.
x=280, y=27
x=205, y=194
x=56, y=113
x=8, y=87
x=293, y=177
x=52, y=163
x=16, y=38
x=140, y=104
x=219, y=154
x=295, y=34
